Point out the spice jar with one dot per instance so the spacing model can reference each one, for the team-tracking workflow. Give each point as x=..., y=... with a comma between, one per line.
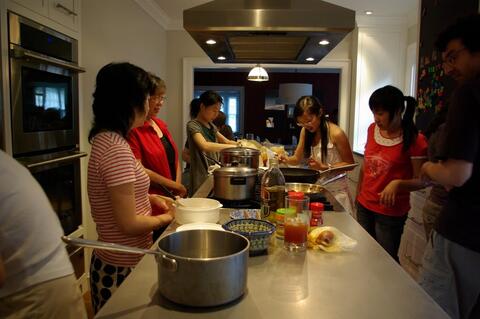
x=317, y=211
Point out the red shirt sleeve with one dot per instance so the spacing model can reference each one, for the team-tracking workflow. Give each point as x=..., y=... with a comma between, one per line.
x=135, y=143
x=419, y=148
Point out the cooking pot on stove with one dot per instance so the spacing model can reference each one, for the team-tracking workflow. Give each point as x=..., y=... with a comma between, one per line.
x=234, y=183
x=199, y=268
x=240, y=156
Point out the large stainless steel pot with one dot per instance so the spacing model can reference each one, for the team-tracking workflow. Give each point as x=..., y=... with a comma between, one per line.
x=234, y=183
x=199, y=268
x=202, y=267
x=240, y=156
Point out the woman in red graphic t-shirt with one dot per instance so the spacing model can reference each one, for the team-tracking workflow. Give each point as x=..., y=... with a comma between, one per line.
x=394, y=153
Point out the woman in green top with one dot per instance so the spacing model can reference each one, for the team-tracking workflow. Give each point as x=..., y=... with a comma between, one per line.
x=203, y=137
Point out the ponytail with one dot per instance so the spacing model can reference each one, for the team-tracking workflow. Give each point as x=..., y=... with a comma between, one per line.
x=410, y=131
x=194, y=108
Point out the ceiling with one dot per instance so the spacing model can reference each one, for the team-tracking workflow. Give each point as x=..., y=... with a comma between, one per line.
x=396, y=8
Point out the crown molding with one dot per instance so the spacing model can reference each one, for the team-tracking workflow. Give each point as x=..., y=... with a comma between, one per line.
x=155, y=12
x=364, y=21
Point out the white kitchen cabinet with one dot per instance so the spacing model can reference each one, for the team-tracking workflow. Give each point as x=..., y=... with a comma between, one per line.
x=65, y=13
x=413, y=241
x=37, y=6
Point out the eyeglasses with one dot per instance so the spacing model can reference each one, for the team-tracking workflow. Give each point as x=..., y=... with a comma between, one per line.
x=160, y=98
x=452, y=56
x=306, y=123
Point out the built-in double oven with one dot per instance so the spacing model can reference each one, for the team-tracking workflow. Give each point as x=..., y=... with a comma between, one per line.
x=44, y=112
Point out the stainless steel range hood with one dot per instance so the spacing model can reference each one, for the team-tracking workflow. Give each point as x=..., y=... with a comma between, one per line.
x=268, y=31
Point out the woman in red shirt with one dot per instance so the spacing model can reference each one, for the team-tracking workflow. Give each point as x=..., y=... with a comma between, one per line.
x=153, y=145
x=394, y=153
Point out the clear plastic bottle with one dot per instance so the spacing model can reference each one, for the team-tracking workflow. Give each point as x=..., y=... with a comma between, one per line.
x=272, y=191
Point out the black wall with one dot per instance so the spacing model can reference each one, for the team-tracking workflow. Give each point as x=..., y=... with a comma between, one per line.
x=325, y=87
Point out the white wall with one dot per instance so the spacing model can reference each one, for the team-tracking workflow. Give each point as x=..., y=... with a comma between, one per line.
x=382, y=45
x=114, y=31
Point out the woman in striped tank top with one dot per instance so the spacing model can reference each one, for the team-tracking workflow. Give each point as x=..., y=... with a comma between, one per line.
x=118, y=184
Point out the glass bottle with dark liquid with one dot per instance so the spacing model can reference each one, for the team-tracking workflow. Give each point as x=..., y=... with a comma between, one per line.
x=272, y=191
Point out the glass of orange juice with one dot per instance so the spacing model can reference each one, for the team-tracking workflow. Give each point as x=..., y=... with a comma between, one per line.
x=296, y=231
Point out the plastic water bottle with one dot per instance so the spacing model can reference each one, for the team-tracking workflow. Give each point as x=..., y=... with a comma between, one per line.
x=272, y=191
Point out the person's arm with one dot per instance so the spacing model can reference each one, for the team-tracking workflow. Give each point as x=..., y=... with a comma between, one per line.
x=3, y=273
x=387, y=196
x=298, y=154
x=179, y=173
x=123, y=204
x=206, y=146
x=222, y=139
x=171, y=184
x=449, y=173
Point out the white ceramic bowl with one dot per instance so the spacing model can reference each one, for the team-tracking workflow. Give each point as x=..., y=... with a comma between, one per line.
x=197, y=210
x=194, y=226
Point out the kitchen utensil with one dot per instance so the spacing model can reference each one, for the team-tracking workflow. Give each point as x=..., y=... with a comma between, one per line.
x=240, y=157
x=168, y=192
x=211, y=159
x=333, y=179
x=257, y=231
x=199, y=268
x=203, y=267
x=305, y=188
x=234, y=183
x=299, y=175
x=197, y=210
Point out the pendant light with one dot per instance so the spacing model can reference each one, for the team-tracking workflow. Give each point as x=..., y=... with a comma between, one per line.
x=258, y=74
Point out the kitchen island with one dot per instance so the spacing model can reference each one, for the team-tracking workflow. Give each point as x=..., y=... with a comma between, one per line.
x=363, y=283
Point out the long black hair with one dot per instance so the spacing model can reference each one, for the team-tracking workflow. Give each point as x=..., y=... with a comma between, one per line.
x=207, y=98
x=311, y=105
x=121, y=88
x=391, y=100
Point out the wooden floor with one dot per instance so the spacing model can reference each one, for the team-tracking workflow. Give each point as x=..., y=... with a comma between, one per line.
x=88, y=304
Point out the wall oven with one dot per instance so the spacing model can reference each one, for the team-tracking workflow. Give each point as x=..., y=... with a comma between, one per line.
x=43, y=88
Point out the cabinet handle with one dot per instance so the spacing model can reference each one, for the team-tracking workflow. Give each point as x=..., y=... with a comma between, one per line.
x=415, y=221
x=67, y=10
x=410, y=259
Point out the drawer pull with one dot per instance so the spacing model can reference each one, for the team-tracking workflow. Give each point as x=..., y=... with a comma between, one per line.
x=67, y=10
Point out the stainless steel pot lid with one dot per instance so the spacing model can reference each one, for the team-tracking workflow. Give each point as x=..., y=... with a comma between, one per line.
x=241, y=151
x=235, y=171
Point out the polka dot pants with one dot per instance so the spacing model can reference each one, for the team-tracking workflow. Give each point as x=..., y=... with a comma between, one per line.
x=104, y=280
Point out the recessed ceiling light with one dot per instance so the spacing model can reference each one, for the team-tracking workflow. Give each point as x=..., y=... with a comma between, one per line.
x=221, y=58
x=309, y=59
x=210, y=41
x=368, y=12
x=324, y=42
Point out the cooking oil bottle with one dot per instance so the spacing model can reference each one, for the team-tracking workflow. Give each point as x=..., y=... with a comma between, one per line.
x=272, y=191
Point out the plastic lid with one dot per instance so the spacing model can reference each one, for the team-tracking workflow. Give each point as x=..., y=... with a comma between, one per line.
x=296, y=195
x=282, y=212
x=317, y=206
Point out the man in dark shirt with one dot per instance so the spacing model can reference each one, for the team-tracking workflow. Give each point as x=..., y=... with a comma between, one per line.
x=451, y=266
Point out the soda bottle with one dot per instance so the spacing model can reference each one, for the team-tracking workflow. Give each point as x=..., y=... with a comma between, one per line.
x=272, y=191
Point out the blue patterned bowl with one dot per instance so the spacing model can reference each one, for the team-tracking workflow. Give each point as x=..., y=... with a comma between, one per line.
x=257, y=231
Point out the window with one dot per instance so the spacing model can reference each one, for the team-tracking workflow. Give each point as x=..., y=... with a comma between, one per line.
x=232, y=103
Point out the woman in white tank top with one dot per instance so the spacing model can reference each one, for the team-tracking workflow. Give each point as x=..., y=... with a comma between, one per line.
x=316, y=132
